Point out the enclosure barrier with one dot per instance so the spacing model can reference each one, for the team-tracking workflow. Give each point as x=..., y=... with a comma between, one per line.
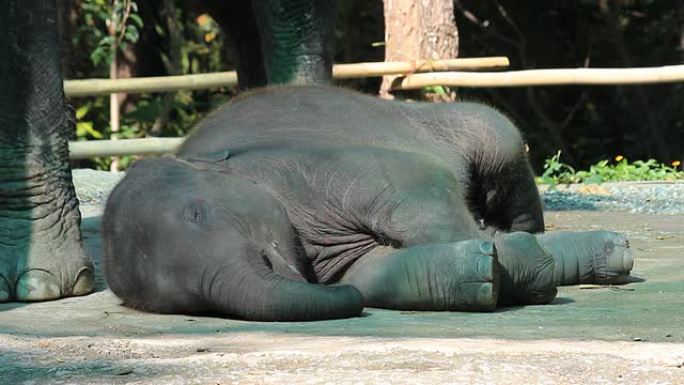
x=158, y=146
x=546, y=77
x=121, y=147
x=90, y=87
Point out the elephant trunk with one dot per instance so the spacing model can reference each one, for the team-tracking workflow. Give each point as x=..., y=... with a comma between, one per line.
x=260, y=294
x=526, y=210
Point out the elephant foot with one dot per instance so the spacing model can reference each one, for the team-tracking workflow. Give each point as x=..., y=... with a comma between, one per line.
x=602, y=257
x=41, y=256
x=39, y=274
x=462, y=276
x=527, y=270
x=470, y=271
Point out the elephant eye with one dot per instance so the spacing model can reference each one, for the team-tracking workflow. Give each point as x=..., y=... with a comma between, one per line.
x=197, y=213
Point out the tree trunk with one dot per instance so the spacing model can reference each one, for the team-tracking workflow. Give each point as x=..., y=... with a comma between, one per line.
x=417, y=30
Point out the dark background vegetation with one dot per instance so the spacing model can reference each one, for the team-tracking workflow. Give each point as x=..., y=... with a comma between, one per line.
x=586, y=123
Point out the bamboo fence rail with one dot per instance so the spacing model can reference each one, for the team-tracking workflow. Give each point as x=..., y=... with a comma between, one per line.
x=158, y=146
x=545, y=77
x=90, y=87
x=121, y=147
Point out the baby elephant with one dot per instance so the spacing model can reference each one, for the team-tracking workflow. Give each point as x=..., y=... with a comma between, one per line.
x=311, y=202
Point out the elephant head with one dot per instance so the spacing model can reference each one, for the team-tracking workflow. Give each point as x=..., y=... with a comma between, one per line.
x=185, y=236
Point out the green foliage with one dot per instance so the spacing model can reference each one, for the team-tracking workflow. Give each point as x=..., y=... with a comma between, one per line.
x=587, y=123
x=557, y=172
x=122, y=22
x=200, y=49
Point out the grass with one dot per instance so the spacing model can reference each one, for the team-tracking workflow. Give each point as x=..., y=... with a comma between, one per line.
x=617, y=170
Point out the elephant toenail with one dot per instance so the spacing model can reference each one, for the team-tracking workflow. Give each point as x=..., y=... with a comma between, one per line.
x=487, y=296
x=84, y=282
x=37, y=285
x=487, y=248
x=486, y=267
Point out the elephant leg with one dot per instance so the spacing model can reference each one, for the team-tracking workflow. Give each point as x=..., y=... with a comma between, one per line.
x=500, y=188
x=505, y=193
x=238, y=19
x=528, y=270
x=41, y=255
x=251, y=289
x=296, y=39
x=425, y=206
x=602, y=257
x=456, y=276
x=461, y=276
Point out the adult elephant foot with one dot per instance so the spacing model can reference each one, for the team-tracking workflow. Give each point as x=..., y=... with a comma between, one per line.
x=44, y=274
x=40, y=243
x=602, y=257
x=443, y=276
x=41, y=256
x=527, y=270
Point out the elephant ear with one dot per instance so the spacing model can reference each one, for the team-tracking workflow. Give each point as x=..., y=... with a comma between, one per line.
x=212, y=161
x=211, y=157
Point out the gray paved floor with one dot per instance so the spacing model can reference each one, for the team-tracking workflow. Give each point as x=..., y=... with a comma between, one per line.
x=627, y=334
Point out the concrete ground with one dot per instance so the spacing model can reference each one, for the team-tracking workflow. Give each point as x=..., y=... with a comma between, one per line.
x=631, y=334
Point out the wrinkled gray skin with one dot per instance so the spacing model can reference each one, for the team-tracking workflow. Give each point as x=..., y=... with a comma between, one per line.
x=41, y=257
x=40, y=243
x=277, y=41
x=281, y=195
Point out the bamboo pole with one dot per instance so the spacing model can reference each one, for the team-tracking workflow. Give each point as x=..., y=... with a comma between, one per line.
x=121, y=147
x=88, y=87
x=362, y=70
x=546, y=77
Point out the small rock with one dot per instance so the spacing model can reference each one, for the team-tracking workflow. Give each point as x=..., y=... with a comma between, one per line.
x=593, y=189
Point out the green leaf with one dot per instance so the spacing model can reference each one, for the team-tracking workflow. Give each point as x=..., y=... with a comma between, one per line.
x=100, y=53
x=83, y=129
x=136, y=20
x=82, y=111
x=131, y=34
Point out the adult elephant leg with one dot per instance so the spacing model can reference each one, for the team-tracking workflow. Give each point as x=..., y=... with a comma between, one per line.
x=41, y=256
x=297, y=39
x=461, y=276
x=238, y=19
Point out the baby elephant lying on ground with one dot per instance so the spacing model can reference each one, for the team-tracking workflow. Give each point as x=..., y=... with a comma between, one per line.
x=310, y=202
